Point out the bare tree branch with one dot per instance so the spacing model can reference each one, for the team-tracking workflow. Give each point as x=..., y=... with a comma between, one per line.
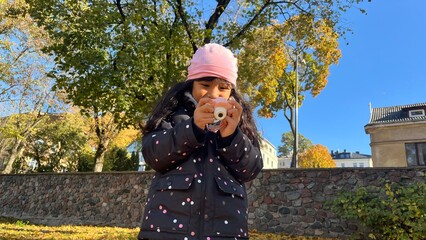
x=294, y=3
x=20, y=54
x=181, y=13
x=4, y=91
x=266, y=4
x=249, y=23
x=285, y=107
x=120, y=10
x=214, y=18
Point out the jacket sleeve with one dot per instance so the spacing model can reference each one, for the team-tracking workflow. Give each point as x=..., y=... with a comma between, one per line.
x=167, y=146
x=242, y=157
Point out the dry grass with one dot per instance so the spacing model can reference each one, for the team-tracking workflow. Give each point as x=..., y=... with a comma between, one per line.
x=17, y=229
x=12, y=229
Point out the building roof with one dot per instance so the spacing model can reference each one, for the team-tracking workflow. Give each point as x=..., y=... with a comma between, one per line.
x=348, y=155
x=267, y=141
x=396, y=114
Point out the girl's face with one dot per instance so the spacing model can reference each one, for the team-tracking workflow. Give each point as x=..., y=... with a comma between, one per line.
x=212, y=89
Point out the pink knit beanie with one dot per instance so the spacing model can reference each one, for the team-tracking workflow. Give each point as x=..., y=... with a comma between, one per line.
x=213, y=60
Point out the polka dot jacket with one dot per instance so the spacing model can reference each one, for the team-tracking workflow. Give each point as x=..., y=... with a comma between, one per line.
x=198, y=190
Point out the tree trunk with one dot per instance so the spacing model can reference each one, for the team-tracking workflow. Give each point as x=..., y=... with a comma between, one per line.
x=4, y=151
x=100, y=154
x=293, y=130
x=293, y=158
x=1, y=164
x=15, y=154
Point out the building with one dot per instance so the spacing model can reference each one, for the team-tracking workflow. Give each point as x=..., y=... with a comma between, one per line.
x=136, y=147
x=398, y=135
x=342, y=159
x=269, y=154
x=351, y=159
x=284, y=162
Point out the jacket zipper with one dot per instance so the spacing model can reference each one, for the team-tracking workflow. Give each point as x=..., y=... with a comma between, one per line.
x=203, y=199
x=203, y=178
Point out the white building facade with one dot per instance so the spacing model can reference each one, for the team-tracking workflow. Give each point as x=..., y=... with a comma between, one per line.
x=269, y=154
x=351, y=159
x=284, y=162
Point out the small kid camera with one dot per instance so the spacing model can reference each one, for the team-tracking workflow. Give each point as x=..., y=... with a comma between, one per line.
x=220, y=111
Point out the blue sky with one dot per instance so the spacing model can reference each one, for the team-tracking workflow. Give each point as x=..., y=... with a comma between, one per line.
x=383, y=64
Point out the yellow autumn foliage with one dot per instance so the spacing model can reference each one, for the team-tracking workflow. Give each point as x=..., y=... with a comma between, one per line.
x=316, y=157
x=267, y=67
x=125, y=137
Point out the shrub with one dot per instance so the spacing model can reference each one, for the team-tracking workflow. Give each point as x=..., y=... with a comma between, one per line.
x=21, y=223
x=395, y=211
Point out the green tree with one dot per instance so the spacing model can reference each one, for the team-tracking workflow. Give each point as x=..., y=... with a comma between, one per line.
x=134, y=161
x=113, y=58
x=59, y=144
x=25, y=90
x=86, y=162
x=287, y=140
x=121, y=160
x=119, y=56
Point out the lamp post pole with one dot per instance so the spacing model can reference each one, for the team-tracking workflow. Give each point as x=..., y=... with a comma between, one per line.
x=296, y=113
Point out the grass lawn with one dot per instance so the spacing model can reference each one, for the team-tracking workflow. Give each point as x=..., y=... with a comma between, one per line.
x=12, y=229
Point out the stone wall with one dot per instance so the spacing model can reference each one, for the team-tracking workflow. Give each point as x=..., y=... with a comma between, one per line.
x=287, y=200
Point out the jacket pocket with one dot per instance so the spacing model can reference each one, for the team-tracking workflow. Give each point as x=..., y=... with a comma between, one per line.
x=230, y=187
x=175, y=182
x=170, y=206
x=230, y=213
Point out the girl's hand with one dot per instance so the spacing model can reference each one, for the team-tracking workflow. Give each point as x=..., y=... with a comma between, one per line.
x=230, y=123
x=203, y=113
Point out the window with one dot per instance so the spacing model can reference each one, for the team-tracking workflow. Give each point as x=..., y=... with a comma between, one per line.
x=343, y=164
x=416, y=113
x=416, y=154
x=361, y=164
x=355, y=165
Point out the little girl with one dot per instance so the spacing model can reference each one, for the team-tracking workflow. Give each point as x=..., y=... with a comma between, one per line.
x=198, y=190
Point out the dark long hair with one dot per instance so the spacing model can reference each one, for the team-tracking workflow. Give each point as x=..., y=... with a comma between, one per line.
x=175, y=95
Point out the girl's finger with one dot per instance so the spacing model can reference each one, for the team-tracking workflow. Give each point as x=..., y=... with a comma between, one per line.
x=235, y=114
x=236, y=105
x=204, y=101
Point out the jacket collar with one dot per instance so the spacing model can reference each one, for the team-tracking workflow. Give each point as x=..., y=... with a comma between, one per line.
x=189, y=102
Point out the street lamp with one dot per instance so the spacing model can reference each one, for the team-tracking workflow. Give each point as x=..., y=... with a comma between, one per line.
x=296, y=110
